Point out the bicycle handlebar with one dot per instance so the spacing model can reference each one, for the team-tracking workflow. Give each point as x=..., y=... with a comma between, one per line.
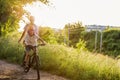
x=40, y=45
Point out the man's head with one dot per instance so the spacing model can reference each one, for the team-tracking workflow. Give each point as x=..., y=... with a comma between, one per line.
x=32, y=19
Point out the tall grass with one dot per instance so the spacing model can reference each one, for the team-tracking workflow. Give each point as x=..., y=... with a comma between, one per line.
x=78, y=66
x=10, y=50
x=65, y=61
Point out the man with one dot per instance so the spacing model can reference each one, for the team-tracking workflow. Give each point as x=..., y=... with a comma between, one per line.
x=30, y=35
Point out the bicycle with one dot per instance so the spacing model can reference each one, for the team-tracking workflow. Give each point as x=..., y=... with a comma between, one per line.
x=32, y=59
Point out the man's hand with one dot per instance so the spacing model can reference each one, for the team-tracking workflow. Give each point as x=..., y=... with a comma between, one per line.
x=44, y=43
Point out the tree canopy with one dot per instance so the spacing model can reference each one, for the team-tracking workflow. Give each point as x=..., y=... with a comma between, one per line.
x=73, y=32
x=11, y=11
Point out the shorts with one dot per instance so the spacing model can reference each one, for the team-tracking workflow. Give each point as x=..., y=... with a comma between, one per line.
x=28, y=48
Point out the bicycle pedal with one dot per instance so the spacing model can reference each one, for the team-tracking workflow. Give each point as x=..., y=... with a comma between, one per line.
x=26, y=69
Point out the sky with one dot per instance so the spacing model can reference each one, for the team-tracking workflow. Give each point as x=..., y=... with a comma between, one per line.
x=61, y=12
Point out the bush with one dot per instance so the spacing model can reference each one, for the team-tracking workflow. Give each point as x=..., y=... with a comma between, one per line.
x=111, y=42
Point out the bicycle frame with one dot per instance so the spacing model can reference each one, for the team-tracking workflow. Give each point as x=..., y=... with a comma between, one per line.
x=33, y=58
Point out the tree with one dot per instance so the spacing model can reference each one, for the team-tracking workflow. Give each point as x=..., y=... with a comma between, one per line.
x=11, y=12
x=48, y=34
x=73, y=32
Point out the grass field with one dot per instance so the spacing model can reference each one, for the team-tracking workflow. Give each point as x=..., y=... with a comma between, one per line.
x=64, y=61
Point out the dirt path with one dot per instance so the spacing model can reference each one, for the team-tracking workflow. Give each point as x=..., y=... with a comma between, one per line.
x=15, y=72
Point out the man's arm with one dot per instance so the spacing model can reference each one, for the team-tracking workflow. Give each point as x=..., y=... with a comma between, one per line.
x=39, y=38
x=22, y=34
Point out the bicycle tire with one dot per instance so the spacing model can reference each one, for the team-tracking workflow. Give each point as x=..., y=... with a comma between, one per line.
x=37, y=66
x=23, y=58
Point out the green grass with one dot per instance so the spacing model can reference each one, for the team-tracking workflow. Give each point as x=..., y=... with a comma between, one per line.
x=78, y=66
x=64, y=61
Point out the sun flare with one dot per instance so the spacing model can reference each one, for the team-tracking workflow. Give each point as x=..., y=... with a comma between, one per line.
x=36, y=9
x=89, y=12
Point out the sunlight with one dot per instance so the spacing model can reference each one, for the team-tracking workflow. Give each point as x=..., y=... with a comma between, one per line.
x=47, y=15
x=102, y=12
x=39, y=11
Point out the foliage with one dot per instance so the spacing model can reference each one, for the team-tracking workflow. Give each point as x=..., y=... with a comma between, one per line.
x=48, y=34
x=59, y=35
x=51, y=35
x=89, y=38
x=10, y=49
x=11, y=12
x=64, y=61
x=73, y=32
x=111, y=42
x=81, y=45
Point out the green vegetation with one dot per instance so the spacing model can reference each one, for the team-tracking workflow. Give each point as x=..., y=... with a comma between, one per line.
x=65, y=61
x=11, y=11
x=48, y=34
x=74, y=63
x=73, y=33
x=10, y=50
x=110, y=41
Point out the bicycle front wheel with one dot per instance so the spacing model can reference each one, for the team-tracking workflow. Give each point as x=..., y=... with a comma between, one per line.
x=37, y=67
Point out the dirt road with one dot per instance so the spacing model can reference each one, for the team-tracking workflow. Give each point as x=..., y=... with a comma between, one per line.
x=10, y=71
